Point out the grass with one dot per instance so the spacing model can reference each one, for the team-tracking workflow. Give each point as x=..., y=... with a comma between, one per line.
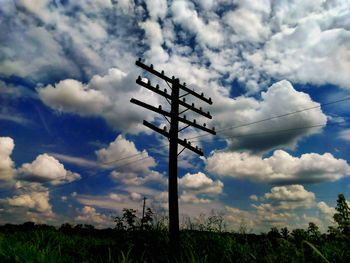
x=51, y=245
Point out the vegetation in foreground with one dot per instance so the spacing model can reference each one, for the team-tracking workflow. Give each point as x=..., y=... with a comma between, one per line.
x=148, y=242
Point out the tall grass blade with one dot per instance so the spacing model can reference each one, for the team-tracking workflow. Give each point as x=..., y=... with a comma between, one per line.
x=316, y=250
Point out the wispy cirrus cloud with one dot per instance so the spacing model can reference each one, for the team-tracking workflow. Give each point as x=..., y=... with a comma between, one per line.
x=345, y=135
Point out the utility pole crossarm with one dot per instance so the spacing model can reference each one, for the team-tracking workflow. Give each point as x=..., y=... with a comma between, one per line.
x=168, y=96
x=167, y=79
x=150, y=107
x=194, y=124
x=188, y=146
x=165, y=113
x=156, y=129
x=199, y=111
x=154, y=89
x=154, y=72
x=184, y=143
x=199, y=96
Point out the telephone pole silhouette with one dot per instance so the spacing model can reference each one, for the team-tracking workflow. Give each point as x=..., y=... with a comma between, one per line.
x=143, y=212
x=175, y=100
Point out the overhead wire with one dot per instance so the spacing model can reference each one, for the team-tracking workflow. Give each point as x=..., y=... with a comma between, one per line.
x=273, y=117
x=257, y=134
x=277, y=131
x=242, y=125
x=54, y=187
x=200, y=136
x=235, y=136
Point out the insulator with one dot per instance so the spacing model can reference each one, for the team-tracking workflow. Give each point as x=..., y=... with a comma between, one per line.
x=204, y=125
x=185, y=140
x=160, y=107
x=157, y=86
x=213, y=128
x=208, y=113
x=151, y=66
x=189, y=143
x=200, y=108
x=172, y=77
x=184, y=99
x=139, y=78
x=194, y=120
x=185, y=117
x=149, y=82
x=165, y=90
x=202, y=94
x=184, y=84
x=140, y=59
x=192, y=104
x=162, y=72
x=165, y=128
x=196, y=147
x=210, y=100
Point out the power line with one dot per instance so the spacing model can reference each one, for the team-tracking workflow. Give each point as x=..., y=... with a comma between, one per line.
x=134, y=155
x=48, y=187
x=124, y=158
x=243, y=125
x=148, y=157
x=67, y=183
x=261, y=133
x=277, y=131
x=54, y=187
x=274, y=117
x=254, y=134
x=236, y=127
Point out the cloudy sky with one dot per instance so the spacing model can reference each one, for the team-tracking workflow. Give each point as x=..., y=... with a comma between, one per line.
x=73, y=148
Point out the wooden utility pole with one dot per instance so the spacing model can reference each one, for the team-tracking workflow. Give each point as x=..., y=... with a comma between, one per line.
x=143, y=212
x=175, y=100
x=143, y=207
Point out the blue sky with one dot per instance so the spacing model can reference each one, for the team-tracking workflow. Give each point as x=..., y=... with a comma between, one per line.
x=73, y=148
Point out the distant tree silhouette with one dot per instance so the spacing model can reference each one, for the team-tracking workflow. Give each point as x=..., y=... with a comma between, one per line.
x=119, y=223
x=147, y=220
x=284, y=232
x=299, y=235
x=333, y=232
x=78, y=227
x=128, y=220
x=215, y=222
x=129, y=216
x=88, y=227
x=66, y=228
x=273, y=233
x=28, y=225
x=313, y=232
x=342, y=217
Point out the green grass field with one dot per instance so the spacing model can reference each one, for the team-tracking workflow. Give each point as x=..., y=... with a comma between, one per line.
x=47, y=244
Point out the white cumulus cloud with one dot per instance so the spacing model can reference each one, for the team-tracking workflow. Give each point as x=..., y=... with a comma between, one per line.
x=72, y=96
x=139, y=172
x=89, y=215
x=326, y=209
x=46, y=168
x=200, y=183
x=281, y=98
x=105, y=96
x=293, y=193
x=281, y=167
x=32, y=196
x=7, y=170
